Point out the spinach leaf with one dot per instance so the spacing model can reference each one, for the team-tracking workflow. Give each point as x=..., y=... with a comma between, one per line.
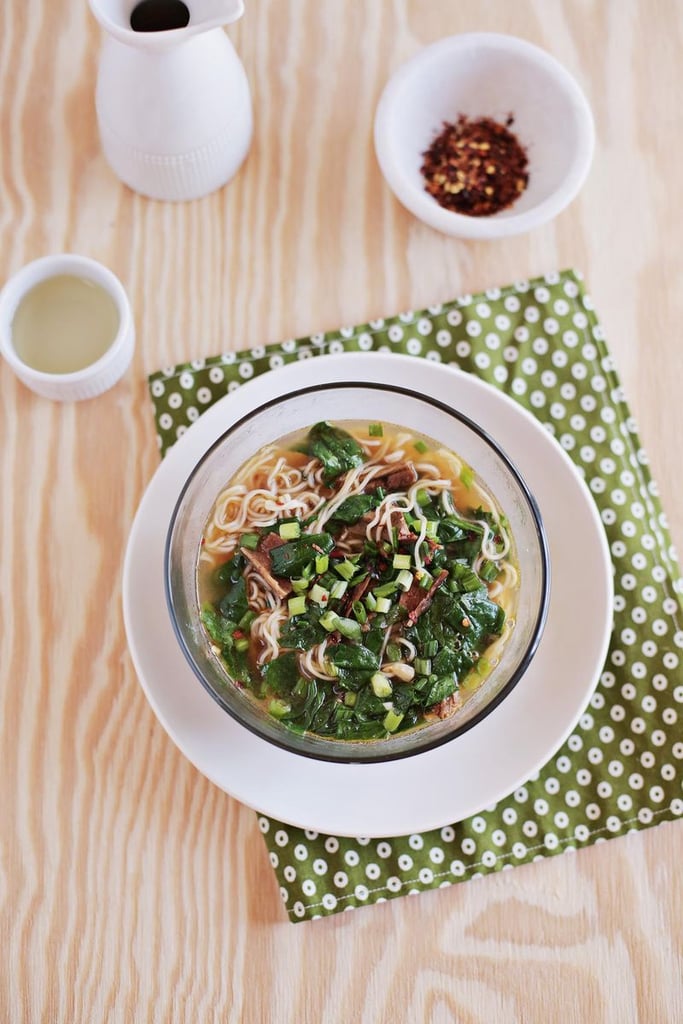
x=302, y=632
x=354, y=508
x=349, y=680
x=446, y=660
x=307, y=697
x=353, y=729
x=219, y=628
x=234, y=604
x=289, y=560
x=335, y=448
x=231, y=571
x=373, y=639
x=486, y=617
x=238, y=670
x=368, y=706
x=281, y=674
x=439, y=689
x=353, y=656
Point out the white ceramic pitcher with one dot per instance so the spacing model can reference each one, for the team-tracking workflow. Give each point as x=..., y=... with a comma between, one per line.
x=173, y=101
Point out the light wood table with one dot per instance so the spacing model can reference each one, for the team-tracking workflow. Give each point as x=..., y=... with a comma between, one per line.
x=132, y=889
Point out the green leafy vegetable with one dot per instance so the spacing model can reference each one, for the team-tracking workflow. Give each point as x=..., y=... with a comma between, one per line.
x=354, y=656
x=302, y=633
x=354, y=508
x=234, y=604
x=282, y=674
x=217, y=626
x=439, y=689
x=290, y=560
x=335, y=448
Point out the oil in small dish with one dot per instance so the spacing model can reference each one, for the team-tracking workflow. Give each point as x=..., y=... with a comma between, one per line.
x=64, y=324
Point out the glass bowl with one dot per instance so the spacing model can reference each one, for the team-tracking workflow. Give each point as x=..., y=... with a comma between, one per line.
x=339, y=402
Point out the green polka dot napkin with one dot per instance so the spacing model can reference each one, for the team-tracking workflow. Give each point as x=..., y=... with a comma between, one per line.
x=620, y=770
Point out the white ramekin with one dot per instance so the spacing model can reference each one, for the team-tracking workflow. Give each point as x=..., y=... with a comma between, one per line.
x=99, y=376
x=486, y=74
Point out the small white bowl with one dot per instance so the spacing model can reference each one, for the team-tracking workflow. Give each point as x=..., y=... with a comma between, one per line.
x=94, y=378
x=486, y=75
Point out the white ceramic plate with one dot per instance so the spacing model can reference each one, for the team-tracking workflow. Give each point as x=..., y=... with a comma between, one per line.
x=439, y=786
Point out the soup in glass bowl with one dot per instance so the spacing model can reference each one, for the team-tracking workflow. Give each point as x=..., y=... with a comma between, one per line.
x=357, y=589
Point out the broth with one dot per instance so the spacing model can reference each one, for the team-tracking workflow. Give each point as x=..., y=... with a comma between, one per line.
x=64, y=324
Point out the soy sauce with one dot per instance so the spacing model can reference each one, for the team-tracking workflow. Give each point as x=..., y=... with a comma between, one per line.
x=159, y=15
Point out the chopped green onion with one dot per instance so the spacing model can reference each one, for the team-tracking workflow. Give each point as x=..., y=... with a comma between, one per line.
x=291, y=530
x=279, y=708
x=425, y=579
x=430, y=648
x=488, y=570
x=329, y=621
x=350, y=699
x=423, y=666
x=318, y=594
x=297, y=605
x=349, y=628
x=375, y=430
x=339, y=589
x=401, y=562
x=381, y=685
x=371, y=602
x=392, y=720
x=321, y=563
x=359, y=611
x=385, y=589
x=242, y=644
x=380, y=493
x=431, y=529
x=346, y=569
x=420, y=447
x=466, y=578
x=249, y=540
x=300, y=585
x=466, y=476
x=383, y=605
x=405, y=579
x=422, y=497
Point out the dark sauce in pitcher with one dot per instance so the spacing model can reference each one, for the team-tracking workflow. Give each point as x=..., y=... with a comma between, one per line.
x=159, y=15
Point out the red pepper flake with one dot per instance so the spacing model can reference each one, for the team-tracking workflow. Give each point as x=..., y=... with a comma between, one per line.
x=238, y=634
x=475, y=166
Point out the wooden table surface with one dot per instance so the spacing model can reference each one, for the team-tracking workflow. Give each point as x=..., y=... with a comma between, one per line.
x=131, y=888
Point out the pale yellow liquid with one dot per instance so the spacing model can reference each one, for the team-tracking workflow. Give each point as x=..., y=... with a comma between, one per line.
x=64, y=324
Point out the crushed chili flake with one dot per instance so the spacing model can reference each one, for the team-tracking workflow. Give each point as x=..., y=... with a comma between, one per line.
x=475, y=166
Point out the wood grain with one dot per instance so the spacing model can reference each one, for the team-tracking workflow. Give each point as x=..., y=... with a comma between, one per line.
x=132, y=889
